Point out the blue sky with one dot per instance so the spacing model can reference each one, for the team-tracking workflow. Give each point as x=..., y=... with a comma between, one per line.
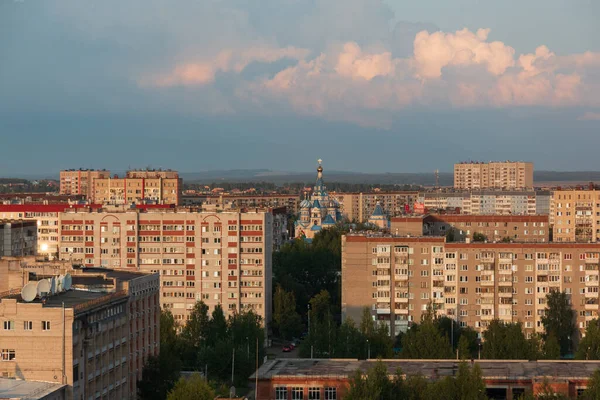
x=366, y=85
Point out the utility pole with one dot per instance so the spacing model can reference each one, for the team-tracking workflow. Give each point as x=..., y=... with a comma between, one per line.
x=232, y=363
x=256, y=373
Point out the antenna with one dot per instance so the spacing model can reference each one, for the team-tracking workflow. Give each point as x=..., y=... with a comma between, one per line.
x=67, y=282
x=29, y=292
x=43, y=287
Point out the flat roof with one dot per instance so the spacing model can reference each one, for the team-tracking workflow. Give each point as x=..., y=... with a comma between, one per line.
x=30, y=390
x=491, y=369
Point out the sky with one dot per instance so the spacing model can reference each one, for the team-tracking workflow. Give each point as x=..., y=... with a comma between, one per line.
x=365, y=85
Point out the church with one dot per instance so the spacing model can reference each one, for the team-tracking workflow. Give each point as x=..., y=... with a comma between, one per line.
x=317, y=213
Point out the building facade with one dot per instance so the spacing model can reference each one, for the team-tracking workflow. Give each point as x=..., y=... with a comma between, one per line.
x=318, y=212
x=487, y=202
x=360, y=206
x=576, y=215
x=290, y=201
x=138, y=187
x=495, y=228
x=495, y=174
x=219, y=258
x=398, y=278
x=80, y=181
x=17, y=238
x=94, y=338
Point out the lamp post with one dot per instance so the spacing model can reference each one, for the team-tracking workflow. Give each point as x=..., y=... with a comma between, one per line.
x=368, y=350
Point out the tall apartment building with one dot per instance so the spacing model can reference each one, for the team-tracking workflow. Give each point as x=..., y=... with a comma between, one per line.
x=80, y=181
x=360, y=206
x=220, y=258
x=495, y=174
x=290, y=201
x=485, y=202
x=94, y=338
x=398, y=278
x=17, y=238
x=138, y=187
x=575, y=215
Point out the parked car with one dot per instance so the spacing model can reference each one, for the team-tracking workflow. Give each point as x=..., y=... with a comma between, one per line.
x=287, y=349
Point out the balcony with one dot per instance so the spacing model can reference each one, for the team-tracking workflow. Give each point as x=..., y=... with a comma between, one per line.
x=401, y=277
x=487, y=283
x=505, y=283
x=487, y=272
x=383, y=311
x=505, y=294
x=506, y=271
x=403, y=300
x=488, y=317
x=593, y=295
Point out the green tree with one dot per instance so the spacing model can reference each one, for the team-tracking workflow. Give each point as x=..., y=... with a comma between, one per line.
x=285, y=317
x=589, y=346
x=463, y=348
x=546, y=392
x=479, y=237
x=217, y=326
x=559, y=320
x=350, y=341
x=593, y=389
x=193, y=388
x=426, y=341
x=505, y=341
x=551, y=348
x=469, y=383
x=450, y=235
x=322, y=333
x=376, y=385
x=367, y=327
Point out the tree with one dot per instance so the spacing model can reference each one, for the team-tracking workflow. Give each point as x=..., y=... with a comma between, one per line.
x=285, y=317
x=193, y=388
x=374, y=385
x=551, y=348
x=426, y=341
x=350, y=341
x=479, y=237
x=589, y=346
x=469, y=383
x=463, y=348
x=593, y=389
x=505, y=341
x=559, y=320
x=450, y=235
x=366, y=322
x=545, y=392
x=322, y=332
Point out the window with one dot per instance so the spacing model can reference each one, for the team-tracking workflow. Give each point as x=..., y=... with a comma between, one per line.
x=45, y=325
x=7, y=355
x=330, y=393
x=28, y=325
x=297, y=393
x=9, y=325
x=314, y=393
x=280, y=393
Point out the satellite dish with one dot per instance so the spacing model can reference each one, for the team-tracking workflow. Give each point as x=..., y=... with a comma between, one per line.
x=29, y=292
x=60, y=284
x=67, y=282
x=53, y=285
x=43, y=287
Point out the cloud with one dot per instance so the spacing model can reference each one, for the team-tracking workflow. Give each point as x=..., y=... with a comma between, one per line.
x=590, y=116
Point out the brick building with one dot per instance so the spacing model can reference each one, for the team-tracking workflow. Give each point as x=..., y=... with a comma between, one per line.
x=80, y=181
x=495, y=174
x=94, y=338
x=17, y=238
x=138, y=187
x=397, y=278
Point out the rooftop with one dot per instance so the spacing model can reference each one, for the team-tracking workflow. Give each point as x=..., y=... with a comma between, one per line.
x=30, y=390
x=516, y=369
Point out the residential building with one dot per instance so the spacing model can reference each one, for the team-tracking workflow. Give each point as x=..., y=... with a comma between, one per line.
x=80, y=181
x=495, y=174
x=496, y=228
x=138, y=187
x=576, y=215
x=40, y=198
x=289, y=379
x=217, y=257
x=360, y=206
x=487, y=202
x=94, y=338
x=398, y=278
x=319, y=212
x=18, y=389
x=17, y=238
x=290, y=201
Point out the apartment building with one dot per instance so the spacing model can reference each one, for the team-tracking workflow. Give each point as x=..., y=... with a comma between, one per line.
x=398, y=278
x=138, y=187
x=495, y=174
x=576, y=215
x=80, y=181
x=360, y=206
x=46, y=218
x=217, y=257
x=487, y=202
x=290, y=201
x=94, y=338
x=496, y=228
x=17, y=238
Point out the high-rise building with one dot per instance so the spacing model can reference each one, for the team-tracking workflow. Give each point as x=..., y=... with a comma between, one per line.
x=80, y=181
x=488, y=202
x=94, y=338
x=138, y=187
x=575, y=215
x=398, y=278
x=217, y=257
x=17, y=238
x=495, y=174
x=360, y=206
